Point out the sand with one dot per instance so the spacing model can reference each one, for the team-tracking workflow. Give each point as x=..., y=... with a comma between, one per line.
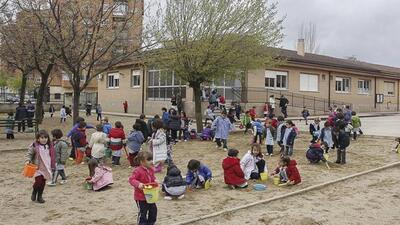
x=71, y=204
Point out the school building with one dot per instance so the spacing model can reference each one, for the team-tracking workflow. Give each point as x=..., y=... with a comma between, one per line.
x=311, y=80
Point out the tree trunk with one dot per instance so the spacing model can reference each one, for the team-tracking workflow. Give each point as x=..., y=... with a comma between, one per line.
x=42, y=90
x=40, y=99
x=23, y=88
x=75, y=105
x=197, y=106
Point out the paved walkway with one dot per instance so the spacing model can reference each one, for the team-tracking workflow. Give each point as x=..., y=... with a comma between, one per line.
x=376, y=123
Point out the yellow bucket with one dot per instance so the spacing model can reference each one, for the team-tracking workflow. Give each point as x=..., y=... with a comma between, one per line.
x=326, y=156
x=264, y=176
x=277, y=180
x=151, y=192
x=207, y=184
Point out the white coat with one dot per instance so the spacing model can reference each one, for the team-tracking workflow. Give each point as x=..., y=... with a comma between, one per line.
x=248, y=165
x=158, y=146
x=97, y=143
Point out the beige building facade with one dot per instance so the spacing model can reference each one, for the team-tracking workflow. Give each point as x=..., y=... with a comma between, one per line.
x=309, y=80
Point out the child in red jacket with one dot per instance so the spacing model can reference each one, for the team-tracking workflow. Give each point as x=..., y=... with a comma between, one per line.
x=287, y=171
x=117, y=137
x=142, y=175
x=233, y=174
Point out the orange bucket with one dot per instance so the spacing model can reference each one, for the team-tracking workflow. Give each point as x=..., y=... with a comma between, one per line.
x=29, y=170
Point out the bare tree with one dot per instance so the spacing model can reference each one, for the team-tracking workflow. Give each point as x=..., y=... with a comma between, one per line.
x=26, y=47
x=206, y=40
x=14, y=50
x=309, y=34
x=90, y=37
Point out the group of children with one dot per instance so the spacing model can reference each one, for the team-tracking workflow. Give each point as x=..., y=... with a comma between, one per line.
x=51, y=156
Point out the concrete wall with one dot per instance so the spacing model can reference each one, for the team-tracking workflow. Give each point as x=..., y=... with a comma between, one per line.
x=111, y=99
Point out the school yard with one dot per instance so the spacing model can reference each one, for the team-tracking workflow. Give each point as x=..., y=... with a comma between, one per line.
x=368, y=199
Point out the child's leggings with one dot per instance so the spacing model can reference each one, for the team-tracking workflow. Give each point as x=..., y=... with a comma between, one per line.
x=218, y=140
x=79, y=155
x=40, y=182
x=58, y=172
x=259, y=137
x=131, y=158
x=147, y=214
x=270, y=149
x=288, y=150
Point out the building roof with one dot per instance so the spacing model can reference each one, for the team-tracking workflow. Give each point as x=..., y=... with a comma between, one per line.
x=322, y=60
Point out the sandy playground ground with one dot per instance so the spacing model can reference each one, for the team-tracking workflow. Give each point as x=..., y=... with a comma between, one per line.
x=369, y=199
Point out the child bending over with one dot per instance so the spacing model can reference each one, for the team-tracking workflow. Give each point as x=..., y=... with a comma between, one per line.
x=174, y=185
x=197, y=174
x=287, y=171
x=100, y=175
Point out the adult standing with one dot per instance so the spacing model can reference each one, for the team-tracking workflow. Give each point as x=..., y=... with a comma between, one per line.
x=125, y=104
x=68, y=110
x=213, y=98
x=20, y=116
x=179, y=103
x=283, y=103
x=271, y=104
x=99, y=112
x=52, y=110
x=31, y=113
x=88, y=109
x=173, y=102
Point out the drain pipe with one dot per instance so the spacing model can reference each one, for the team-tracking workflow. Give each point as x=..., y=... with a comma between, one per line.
x=329, y=88
x=375, y=93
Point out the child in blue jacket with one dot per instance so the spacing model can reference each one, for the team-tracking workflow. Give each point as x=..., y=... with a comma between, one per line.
x=197, y=174
x=288, y=138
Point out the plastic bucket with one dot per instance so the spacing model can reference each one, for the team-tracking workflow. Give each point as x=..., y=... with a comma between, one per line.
x=264, y=176
x=151, y=192
x=108, y=152
x=277, y=180
x=88, y=186
x=29, y=170
x=207, y=184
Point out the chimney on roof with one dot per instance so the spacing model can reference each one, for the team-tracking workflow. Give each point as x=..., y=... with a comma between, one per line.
x=300, y=47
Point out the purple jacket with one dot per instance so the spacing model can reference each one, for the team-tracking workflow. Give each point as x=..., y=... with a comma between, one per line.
x=207, y=133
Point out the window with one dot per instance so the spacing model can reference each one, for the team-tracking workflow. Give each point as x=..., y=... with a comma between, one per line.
x=120, y=9
x=226, y=87
x=342, y=84
x=363, y=86
x=308, y=82
x=113, y=80
x=57, y=96
x=162, y=84
x=276, y=79
x=389, y=88
x=135, y=78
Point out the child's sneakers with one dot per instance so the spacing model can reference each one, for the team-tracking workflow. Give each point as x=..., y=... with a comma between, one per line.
x=169, y=198
x=181, y=197
x=225, y=149
x=51, y=184
x=63, y=181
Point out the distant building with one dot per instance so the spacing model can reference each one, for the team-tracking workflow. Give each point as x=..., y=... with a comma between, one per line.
x=311, y=80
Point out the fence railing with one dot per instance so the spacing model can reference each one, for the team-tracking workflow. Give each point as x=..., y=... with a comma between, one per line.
x=295, y=100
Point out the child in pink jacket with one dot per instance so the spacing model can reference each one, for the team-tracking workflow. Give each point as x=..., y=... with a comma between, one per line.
x=100, y=176
x=142, y=175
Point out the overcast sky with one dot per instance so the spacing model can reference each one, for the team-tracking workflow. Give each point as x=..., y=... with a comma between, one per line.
x=367, y=29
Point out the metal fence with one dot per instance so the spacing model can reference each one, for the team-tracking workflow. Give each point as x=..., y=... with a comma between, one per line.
x=295, y=100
